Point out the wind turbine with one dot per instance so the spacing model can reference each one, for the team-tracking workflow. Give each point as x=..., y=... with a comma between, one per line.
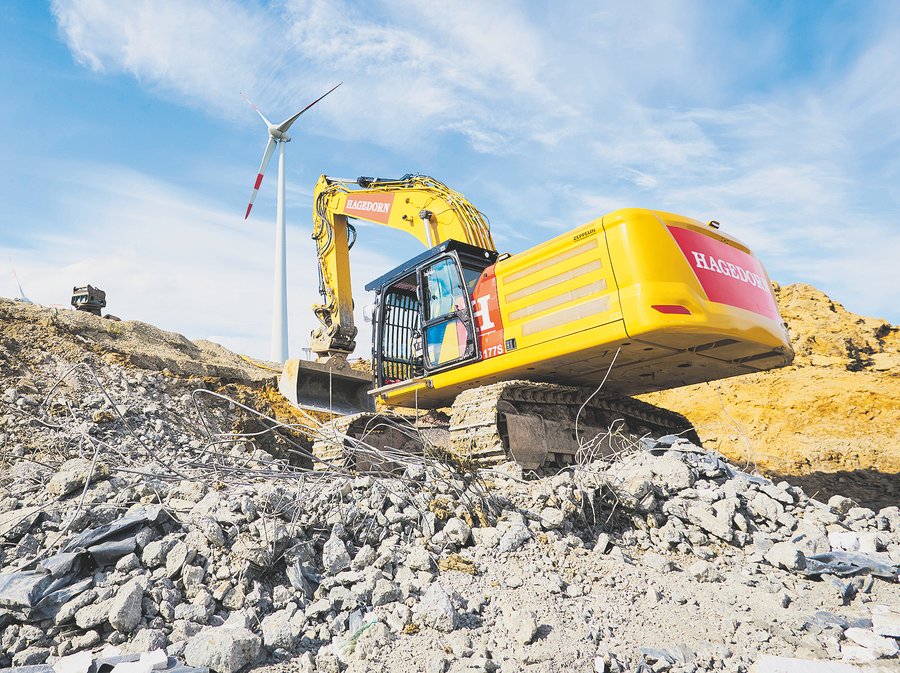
x=278, y=136
x=22, y=298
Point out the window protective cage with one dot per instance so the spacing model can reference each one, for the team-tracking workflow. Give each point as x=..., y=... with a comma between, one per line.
x=399, y=358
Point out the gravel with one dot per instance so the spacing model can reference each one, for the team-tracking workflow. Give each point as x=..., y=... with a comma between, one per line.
x=667, y=557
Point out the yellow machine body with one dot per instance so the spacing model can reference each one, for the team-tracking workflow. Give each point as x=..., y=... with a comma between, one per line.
x=674, y=301
x=656, y=299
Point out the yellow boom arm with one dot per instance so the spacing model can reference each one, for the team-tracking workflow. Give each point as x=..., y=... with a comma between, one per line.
x=417, y=204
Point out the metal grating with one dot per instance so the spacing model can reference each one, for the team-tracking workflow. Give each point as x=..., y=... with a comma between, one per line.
x=397, y=360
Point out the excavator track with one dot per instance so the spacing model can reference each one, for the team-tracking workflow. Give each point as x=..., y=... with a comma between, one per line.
x=531, y=423
x=535, y=424
x=378, y=442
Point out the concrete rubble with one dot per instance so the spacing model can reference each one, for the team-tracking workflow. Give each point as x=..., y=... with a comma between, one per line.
x=153, y=528
x=112, y=660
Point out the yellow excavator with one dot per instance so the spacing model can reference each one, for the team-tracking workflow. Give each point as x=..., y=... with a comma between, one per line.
x=518, y=345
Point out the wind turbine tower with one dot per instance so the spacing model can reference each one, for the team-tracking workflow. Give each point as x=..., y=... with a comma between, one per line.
x=278, y=136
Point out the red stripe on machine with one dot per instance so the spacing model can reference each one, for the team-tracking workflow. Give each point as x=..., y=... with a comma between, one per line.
x=259, y=177
x=727, y=275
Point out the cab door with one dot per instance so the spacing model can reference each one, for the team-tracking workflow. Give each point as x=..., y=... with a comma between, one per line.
x=448, y=331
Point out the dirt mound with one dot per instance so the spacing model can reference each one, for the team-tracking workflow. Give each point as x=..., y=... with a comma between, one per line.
x=825, y=334
x=39, y=344
x=835, y=411
x=31, y=332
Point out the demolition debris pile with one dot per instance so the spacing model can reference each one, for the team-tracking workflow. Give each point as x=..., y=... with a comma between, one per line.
x=151, y=510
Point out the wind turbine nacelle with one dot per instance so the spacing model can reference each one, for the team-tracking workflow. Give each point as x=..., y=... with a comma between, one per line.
x=279, y=135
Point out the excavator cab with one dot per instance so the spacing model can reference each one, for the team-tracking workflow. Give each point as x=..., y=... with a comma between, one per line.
x=424, y=322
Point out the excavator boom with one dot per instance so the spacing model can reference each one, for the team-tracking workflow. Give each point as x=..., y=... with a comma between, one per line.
x=416, y=204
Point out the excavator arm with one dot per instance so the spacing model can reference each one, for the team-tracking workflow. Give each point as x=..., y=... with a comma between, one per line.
x=419, y=205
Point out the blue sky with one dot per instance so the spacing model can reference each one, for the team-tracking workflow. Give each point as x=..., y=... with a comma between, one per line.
x=129, y=154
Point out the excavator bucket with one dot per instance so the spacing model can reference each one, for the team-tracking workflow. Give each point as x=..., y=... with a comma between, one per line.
x=321, y=387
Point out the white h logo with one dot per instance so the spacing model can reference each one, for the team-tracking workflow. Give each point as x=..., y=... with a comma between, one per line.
x=483, y=313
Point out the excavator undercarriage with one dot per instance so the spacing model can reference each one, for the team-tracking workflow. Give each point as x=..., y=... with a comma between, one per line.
x=533, y=424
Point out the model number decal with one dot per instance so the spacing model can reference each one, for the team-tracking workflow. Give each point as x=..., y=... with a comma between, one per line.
x=493, y=351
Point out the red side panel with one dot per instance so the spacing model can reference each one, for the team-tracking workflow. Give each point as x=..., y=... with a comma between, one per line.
x=486, y=309
x=728, y=275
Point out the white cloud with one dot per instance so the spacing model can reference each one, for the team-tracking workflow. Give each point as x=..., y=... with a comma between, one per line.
x=164, y=258
x=162, y=43
x=486, y=141
x=407, y=74
x=643, y=104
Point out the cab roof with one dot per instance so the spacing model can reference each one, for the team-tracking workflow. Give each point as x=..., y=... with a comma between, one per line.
x=480, y=256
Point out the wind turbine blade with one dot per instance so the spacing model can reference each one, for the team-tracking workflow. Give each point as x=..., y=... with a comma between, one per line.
x=286, y=124
x=259, y=176
x=253, y=105
x=18, y=282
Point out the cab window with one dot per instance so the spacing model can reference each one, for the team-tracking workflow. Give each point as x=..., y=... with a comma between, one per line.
x=445, y=293
x=471, y=275
x=400, y=354
x=448, y=333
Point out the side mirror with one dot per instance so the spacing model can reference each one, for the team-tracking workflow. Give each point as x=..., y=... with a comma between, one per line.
x=369, y=313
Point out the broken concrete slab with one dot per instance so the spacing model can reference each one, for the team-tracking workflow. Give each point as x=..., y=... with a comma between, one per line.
x=767, y=663
x=223, y=649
